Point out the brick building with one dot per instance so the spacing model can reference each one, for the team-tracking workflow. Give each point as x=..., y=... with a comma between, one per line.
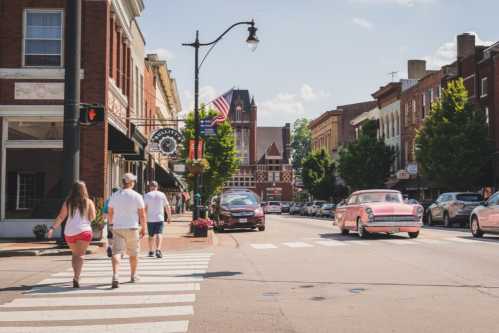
x=114, y=75
x=264, y=152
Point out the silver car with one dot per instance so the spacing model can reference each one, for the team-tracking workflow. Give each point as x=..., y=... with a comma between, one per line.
x=453, y=207
x=485, y=218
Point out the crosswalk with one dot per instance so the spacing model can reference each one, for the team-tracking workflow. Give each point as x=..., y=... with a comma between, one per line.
x=162, y=301
x=312, y=243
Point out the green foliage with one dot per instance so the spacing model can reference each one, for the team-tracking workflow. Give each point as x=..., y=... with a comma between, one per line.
x=319, y=176
x=365, y=164
x=300, y=143
x=219, y=151
x=452, y=147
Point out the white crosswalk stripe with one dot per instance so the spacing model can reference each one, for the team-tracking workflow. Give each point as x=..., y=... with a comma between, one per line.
x=161, y=301
x=330, y=243
x=263, y=246
x=297, y=244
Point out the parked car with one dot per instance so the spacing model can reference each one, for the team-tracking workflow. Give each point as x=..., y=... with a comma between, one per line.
x=452, y=207
x=239, y=209
x=485, y=217
x=327, y=210
x=295, y=208
x=304, y=208
x=285, y=207
x=273, y=207
x=316, y=206
x=378, y=211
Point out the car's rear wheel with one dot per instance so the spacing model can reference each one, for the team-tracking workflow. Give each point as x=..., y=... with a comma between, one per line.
x=429, y=219
x=447, y=222
x=413, y=234
x=475, y=228
x=262, y=228
x=361, y=231
x=345, y=232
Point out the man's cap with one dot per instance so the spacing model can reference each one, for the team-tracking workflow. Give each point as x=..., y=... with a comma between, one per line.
x=115, y=189
x=154, y=183
x=129, y=177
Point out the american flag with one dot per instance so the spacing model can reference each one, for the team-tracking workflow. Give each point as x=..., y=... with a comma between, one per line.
x=222, y=104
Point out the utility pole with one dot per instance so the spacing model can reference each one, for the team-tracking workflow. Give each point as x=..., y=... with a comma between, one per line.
x=71, y=134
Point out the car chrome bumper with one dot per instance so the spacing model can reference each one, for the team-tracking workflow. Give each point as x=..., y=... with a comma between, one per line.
x=394, y=224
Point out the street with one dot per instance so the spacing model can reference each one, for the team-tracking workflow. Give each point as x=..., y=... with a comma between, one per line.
x=300, y=275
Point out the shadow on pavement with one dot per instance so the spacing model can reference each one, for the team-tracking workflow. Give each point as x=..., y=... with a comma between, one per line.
x=212, y=275
x=353, y=237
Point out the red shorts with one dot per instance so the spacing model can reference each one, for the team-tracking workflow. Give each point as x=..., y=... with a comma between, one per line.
x=85, y=236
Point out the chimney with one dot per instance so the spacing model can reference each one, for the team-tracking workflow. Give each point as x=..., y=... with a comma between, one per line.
x=286, y=143
x=416, y=69
x=465, y=45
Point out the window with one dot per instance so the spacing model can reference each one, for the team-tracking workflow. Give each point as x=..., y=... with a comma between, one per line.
x=43, y=38
x=469, y=83
x=274, y=176
x=35, y=130
x=406, y=120
x=484, y=87
x=25, y=191
x=487, y=119
x=413, y=111
x=432, y=95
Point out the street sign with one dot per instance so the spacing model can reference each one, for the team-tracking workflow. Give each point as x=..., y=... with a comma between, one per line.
x=403, y=175
x=412, y=168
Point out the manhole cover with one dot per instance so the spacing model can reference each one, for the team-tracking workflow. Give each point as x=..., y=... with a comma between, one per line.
x=307, y=286
x=357, y=290
x=270, y=293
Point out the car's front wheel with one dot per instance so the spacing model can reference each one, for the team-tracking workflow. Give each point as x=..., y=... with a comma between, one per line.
x=361, y=231
x=475, y=228
x=345, y=232
x=413, y=234
x=261, y=228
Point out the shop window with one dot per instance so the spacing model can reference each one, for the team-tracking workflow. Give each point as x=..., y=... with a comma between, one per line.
x=33, y=130
x=33, y=184
x=484, y=87
x=43, y=38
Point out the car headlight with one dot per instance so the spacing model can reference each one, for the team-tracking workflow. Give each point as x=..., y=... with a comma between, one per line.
x=258, y=212
x=370, y=213
x=420, y=212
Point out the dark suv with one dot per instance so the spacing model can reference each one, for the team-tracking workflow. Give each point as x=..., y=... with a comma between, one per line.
x=239, y=209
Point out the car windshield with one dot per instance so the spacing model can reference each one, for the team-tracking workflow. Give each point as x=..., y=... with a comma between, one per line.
x=274, y=203
x=239, y=199
x=380, y=197
x=327, y=206
x=469, y=197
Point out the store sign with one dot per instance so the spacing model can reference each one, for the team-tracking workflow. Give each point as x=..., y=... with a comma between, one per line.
x=412, y=168
x=165, y=141
x=179, y=168
x=403, y=175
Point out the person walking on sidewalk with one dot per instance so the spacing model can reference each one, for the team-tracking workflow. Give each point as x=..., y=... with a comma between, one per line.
x=156, y=206
x=79, y=211
x=105, y=212
x=126, y=212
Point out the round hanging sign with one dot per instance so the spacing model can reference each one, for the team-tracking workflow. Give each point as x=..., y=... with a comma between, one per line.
x=165, y=141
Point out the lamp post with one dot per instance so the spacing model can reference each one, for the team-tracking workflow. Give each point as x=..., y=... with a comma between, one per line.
x=252, y=41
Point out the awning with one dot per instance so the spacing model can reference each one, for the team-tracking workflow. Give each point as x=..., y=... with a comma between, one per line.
x=132, y=148
x=412, y=185
x=169, y=179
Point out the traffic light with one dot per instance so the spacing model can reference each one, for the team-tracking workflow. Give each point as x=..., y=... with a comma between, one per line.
x=91, y=114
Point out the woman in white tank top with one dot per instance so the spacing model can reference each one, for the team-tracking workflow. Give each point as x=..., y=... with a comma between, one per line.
x=79, y=211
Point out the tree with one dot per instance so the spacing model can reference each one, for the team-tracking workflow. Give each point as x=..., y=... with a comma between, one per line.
x=219, y=151
x=452, y=147
x=319, y=175
x=300, y=143
x=366, y=163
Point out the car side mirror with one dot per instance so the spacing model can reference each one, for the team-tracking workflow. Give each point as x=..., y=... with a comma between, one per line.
x=484, y=203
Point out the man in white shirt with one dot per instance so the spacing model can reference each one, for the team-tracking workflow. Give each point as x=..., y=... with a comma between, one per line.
x=126, y=211
x=156, y=206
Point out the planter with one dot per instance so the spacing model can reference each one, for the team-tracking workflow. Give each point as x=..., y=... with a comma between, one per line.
x=200, y=231
x=97, y=234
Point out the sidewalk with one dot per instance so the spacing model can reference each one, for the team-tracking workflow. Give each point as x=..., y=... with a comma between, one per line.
x=176, y=236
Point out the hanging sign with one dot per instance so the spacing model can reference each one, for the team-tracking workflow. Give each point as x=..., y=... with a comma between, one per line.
x=165, y=141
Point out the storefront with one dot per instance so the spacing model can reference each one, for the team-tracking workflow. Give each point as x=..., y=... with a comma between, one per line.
x=31, y=169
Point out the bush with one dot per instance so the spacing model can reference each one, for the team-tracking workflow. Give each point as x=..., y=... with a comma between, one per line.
x=40, y=230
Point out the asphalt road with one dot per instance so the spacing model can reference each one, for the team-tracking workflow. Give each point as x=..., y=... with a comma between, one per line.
x=301, y=275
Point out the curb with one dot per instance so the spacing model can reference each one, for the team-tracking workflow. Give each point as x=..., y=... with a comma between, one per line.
x=44, y=252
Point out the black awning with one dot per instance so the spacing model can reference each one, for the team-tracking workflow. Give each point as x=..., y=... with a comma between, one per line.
x=119, y=143
x=167, y=178
x=412, y=185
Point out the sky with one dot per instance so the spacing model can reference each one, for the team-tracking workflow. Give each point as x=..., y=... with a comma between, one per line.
x=313, y=54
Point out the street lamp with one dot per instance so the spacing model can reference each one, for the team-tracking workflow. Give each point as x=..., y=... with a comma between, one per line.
x=252, y=41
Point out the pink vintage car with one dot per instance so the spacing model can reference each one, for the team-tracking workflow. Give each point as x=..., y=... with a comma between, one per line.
x=378, y=211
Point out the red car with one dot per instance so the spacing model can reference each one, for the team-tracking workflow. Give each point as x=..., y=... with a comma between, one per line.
x=379, y=211
x=239, y=209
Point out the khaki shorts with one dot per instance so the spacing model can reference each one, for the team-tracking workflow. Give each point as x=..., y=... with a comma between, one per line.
x=126, y=239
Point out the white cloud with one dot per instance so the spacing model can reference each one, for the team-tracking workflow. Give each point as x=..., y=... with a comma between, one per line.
x=286, y=107
x=162, y=53
x=406, y=3
x=206, y=95
x=447, y=52
x=363, y=23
